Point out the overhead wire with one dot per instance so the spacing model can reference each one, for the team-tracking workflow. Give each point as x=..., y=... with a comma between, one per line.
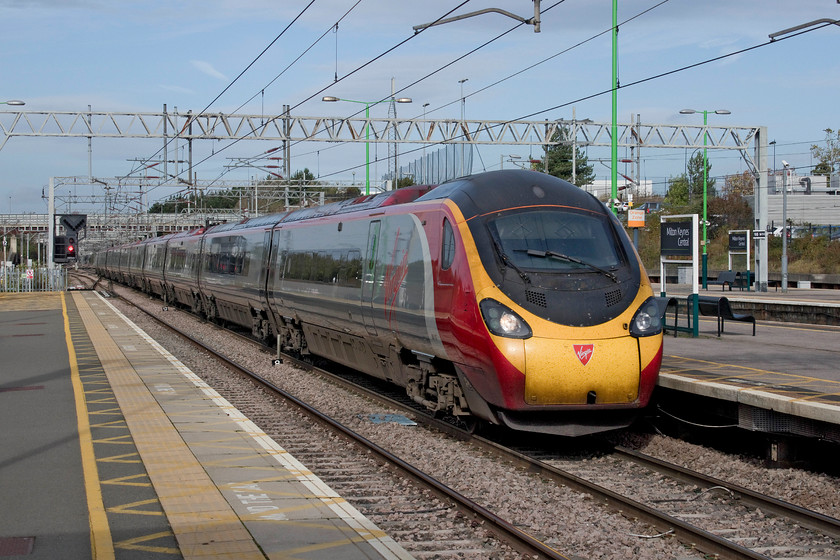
x=254, y=61
x=541, y=111
x=351, y=73
x=262, y=90
x=631, y=84
x=448, y=64
x=510, y=76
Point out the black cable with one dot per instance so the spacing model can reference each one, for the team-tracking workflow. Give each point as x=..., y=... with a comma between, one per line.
x=634, y=83
x=352, y=72
x=288, y=26
x=490, y=41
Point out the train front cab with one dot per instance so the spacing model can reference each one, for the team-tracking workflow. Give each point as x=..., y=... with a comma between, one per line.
x=563, y=345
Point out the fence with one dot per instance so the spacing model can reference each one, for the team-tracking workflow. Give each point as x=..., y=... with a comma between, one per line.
x=32, y=279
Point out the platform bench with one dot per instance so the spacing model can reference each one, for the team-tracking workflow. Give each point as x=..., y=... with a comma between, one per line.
x=728, y=277
x=718, y=307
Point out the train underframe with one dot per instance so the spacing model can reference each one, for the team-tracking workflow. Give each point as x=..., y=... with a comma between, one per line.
x=428, y=380
x=438, y=385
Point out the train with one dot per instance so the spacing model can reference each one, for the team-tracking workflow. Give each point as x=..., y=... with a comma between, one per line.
x=510, y=298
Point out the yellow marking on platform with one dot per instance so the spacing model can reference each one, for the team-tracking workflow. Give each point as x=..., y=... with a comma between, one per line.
x=133, y=544
x=745, y=368
x=121, y=458
x=107, y=411
x=115, y=424
x=101, y=543
x=116, y=440
x=290, y=553
x=105, y=387
x=130, y=508
x=124, y=480
x=201, y=519
x=812, y=397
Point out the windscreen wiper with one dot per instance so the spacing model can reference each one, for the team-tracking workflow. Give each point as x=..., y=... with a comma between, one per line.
x=506, y=260
x=544, y=254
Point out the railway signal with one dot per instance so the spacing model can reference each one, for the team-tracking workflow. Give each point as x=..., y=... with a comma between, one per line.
x=71, y=249
x=60, y=249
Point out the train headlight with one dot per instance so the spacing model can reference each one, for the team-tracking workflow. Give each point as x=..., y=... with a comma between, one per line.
x=502, y=321
x=648, y=319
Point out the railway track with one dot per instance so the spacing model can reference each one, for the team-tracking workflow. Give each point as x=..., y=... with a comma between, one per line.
x=447, y=537
x=713, y=516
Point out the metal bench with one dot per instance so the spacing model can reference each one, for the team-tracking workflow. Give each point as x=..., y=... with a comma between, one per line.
x=717, y=307
x=729, y=277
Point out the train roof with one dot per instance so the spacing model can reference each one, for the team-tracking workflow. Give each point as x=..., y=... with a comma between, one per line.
x=487, y=192
x=358, y=204
x=368, y=202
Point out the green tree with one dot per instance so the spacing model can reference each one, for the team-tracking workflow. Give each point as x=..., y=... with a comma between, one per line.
x=686, y=189
x=560, y=161
x=830, y=154
x=678, y=190
x=304, y=176
x=822, y=168
x=695, y=177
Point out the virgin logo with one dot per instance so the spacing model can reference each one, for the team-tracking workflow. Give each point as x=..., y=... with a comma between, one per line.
x=584, y=352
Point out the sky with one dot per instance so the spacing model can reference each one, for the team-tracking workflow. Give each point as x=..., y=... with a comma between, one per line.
x=230, y=56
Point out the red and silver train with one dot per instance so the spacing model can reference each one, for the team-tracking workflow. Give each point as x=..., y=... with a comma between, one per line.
x=511, y=297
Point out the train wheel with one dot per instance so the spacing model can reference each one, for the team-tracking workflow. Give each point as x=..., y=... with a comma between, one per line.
x=470, y=424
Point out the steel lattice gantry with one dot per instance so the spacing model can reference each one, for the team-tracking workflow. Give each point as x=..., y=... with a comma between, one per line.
x=750, y=142
x=285, y=127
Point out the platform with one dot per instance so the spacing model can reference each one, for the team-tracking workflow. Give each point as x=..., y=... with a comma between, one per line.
x=785, y=379
x=112, y=448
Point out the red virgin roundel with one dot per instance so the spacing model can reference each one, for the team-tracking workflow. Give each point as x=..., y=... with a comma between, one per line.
x=584, y=352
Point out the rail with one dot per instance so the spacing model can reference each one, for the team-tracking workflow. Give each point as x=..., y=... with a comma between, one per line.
x=513, y=536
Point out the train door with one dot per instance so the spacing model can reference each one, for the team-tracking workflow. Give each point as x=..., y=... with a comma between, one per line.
x=265, y=281
x=369, y=276
x=445, y=274
x=274, y=272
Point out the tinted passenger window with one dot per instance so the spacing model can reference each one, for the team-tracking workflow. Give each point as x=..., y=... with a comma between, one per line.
x=447, y=251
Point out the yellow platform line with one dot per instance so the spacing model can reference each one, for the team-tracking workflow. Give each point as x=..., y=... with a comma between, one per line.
x=101, y=542
x=202, y=520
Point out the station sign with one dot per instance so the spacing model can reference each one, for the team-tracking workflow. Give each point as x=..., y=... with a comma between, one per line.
x=675, y=239
x=738, y=241
x=635, y=218
x=759, y=234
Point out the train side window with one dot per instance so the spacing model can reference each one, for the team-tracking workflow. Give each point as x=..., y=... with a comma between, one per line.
x=447, y=250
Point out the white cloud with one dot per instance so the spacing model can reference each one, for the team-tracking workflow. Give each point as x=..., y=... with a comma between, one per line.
x=207, y=68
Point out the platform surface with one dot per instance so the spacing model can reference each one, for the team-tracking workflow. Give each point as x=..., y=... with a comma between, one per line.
x=112, y=448
x=790, y=368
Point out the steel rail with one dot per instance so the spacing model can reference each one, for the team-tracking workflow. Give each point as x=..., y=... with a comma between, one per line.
x=805, y=517
x=703, y=540
x=510, y=534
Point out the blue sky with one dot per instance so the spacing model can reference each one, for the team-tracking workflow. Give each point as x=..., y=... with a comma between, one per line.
x=127, y=56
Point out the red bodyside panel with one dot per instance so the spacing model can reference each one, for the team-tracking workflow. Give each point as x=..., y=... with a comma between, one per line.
x=650, y=374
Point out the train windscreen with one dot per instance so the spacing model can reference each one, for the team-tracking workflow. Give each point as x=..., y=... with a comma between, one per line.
x=555, y=240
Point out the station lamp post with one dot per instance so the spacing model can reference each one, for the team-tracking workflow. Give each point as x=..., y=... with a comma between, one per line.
x=705, y=184
x=367, y=104
x=12, y=102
